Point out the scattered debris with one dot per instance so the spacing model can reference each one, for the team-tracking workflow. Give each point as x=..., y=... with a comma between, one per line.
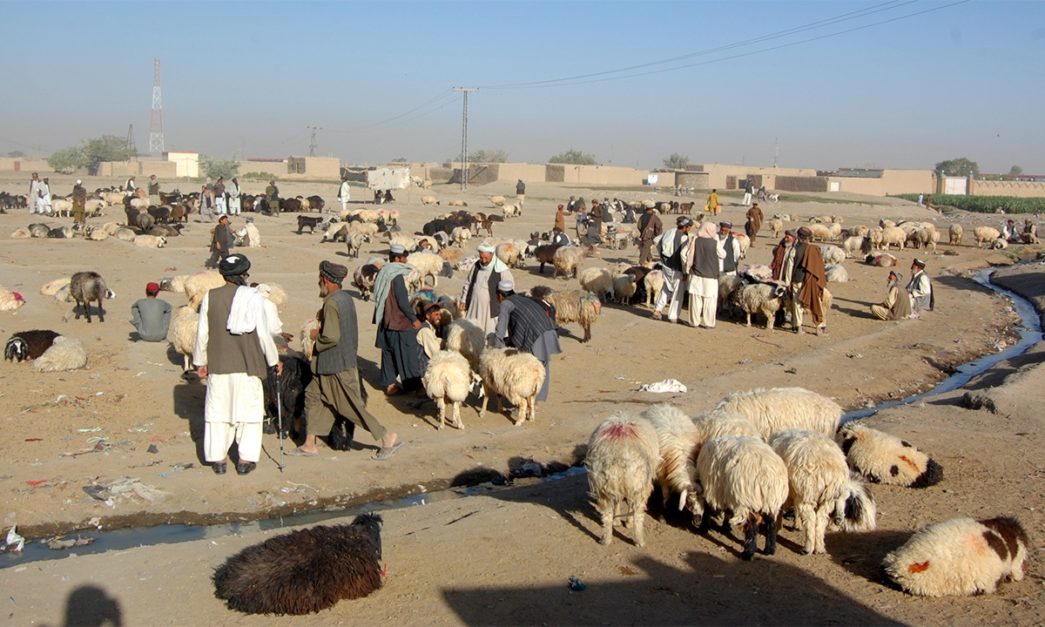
x=141, y=427
x=14, y=543
x=576, y=585
x=59, y=543
x=90, y=430
x=38, y=483
x=153, y=449
x=665, y=386
x=100, y=446
x=791, y=370
x=125, y=488
x=854, y=355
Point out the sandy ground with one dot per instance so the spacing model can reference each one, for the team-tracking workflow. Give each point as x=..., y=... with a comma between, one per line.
x=505, y=557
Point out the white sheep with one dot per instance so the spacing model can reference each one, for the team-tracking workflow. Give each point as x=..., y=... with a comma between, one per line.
x=515, y=375
x=576, y=306
x=884, y=458
x=760, y=298
x=598, y=281
x=427, y=265
x=111, y=228
x=55, y=286
x=777, y=409
x=999, y=244
x=856, y=244
x=745, y=477
x=927, y=237
x=565, y=259
x=959, y=557
x=457, y=203
x=125, y=234
x=497, y=201
x=777, y=225
x=66, y=353
x=510, y=253
x=307, y=343
x=150, y=241
x=249, y=236
x=955, y=233
x=652, y=283
x=448, y=378
x=429, y=200
x=678, y=443
x=21, y=233
x=369, y=229
x=861, y=510
x=95, y=234
x=818, y=478
x=182, y=334
x=512, y=211
x=460, y=235
x=624, y=287
x=336, y=231
x=467, y=338
x=832, y=253
x=893, y=236
x=197, y=285
x=354, y=243
x=836, y=273
x=622, y=454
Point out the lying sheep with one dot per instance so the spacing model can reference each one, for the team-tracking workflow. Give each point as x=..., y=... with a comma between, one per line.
x=150, y=241
x=959, y=557
x=598, y=281
x=566, y=259
x=836, y=273
x=832, y=253
x=10, y=300
x=884, y=458
x=448, y=378
x=745, y=477
x=999, y=244
x=28, y=344
x=249, y=236
x=453, y=256
x=88, y=287
x=182, y=334
x=777, y=409
x=818, y=478
x=497, y=201
x=95, y=234
x=761, y=298
x=21, y=233
x=856, y=244
x=65, y=353
x=622, y=454
x=52, y=288
x=457, y=203
x=515, y=375
x=429, y=200
x=125, y=234
x=576, y=306
x=955, y=233
x=467, y=338
x=337, y=231
x=882, y=260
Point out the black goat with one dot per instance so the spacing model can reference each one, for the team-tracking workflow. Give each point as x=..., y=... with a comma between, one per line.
x=28, y=344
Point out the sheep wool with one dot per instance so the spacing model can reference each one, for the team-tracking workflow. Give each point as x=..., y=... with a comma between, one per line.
x=818, y=478
x=955, y=233
x=836, y=273
x=515, y=375
x=307, y=343
x=576, y=306
x=467, y=338
x=52, y=288
x=761, y=298
x=678, y=440
x=622, y=455
x=448, y=378
x=777, y=409
x=861, y=510
x=66, y=353
x=182, y=333
x=624, y=288
x=10, y=300
x=21, y=233
x=985, y=235
x=427, y=264
x=884, y=458
x=197, y=286
x=598, y=281
x=959, y=557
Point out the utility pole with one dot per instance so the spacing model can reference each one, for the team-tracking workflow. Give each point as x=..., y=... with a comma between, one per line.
x=464, y=135
x=130, y=140
x=312, y=140
x=776, y=150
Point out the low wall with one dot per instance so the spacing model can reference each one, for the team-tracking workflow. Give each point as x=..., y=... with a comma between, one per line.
x=18, y=164
x=1019, y=189
x=800, y=184
x=890, y=183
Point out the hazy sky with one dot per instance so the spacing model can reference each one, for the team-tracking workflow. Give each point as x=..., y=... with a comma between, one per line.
x=877, y=86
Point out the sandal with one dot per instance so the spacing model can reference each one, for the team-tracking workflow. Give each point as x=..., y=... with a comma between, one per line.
x=387, y=451
x=300, y=452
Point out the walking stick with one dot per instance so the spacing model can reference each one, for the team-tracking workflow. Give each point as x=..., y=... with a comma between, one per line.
x=279, y=418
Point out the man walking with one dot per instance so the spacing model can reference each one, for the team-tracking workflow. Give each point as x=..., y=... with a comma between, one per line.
x=79, y=204
x=524, y=324
x=650, y=228
x=220, y=243
x=151, y=316
x=479, y=296
x=713, y=206
x=520, y=193
x=34, y=192
x=920, y=289
x=344, y=192
x=748, y=191
x=897, y=304
x=335, y=389
x=234, y=358
x=672, y=246
x=397, y=325
x=754, y=222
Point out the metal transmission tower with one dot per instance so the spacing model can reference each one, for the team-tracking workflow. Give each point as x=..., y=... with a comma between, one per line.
x=130, y=139
x=464, y=134
x=156, y=117
x=312, y=140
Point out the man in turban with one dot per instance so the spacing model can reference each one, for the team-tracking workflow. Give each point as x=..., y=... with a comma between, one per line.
x=336, y=389
x=897, y=304
x=234, y=352
x=397, y=325
x=479, y=296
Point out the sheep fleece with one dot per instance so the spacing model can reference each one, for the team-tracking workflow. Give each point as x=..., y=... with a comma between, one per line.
x=622, y=453
x=884, y=458
x=777, y=409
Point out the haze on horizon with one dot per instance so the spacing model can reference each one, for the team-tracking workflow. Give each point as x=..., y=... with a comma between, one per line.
x=900, y=84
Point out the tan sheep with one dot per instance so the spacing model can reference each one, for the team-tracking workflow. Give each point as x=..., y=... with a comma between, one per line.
x=448, y=378
x=598, y=281
x=182, y=334
x=576, y=306
x=622, y=454
x=515, y=375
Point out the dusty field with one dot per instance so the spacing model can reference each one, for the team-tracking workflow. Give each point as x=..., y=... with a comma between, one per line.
x=508, y=561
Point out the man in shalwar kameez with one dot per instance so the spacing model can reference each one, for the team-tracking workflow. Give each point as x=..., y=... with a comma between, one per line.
x=234, y=358
x=479, y=296
x=397, y=325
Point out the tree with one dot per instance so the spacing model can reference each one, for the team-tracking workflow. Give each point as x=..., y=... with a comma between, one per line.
x=1015, y=170
x=105, y=148
x=67, y=159
x=399, y=160
x=676, y=161
x=488, y=156
x=216, y=167
x=573, y=157
x=958, y=167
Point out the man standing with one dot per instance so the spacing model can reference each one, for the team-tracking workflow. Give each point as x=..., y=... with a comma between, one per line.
x=151, y=316
x=779, y=252
x=571, y=204
x=595, y=222
x=524, y=324
x=702, y=260
x=130, y=186
x=897, y=305
x=729, y=249
x=804, y=272
x=748, y=190
x=397, y=325
x=206, y=204
x=79, y=203
x=754, y=222
x=335, y=390
x=713, y=207
x=344, y=192
x=272, y=195
x=650, y=228
x=672, y=246
x=235, y=202
x=520, y=193
x=220, y=243
x=920, y=289
x=235, y=359
x=154, y=191
x=560, y=219
x=43, y=203
x=219, y=196
x=34, y=192
x=479, y=296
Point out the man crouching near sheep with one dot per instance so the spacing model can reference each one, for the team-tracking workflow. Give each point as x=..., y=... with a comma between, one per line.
x=335, y=388
x=897, y=305
x=234, y=358
x=525, y=324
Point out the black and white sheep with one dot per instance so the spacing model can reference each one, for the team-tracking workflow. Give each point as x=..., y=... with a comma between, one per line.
x=304, y=571
x=621, y=461
x=88, y=287
x=28, y=344
x=861, y=509
x=884, y=458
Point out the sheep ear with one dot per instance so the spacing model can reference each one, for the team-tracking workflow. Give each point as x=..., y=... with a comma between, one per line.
x=682, y=498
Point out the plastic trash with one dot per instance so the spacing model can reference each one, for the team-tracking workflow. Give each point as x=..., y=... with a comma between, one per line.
x=577, y=585
x=665, y=386
x=14, y=543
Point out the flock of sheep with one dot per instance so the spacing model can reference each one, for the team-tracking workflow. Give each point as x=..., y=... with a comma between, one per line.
x=761, y=453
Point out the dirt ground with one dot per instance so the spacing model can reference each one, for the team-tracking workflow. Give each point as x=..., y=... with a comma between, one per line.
x=505, y=557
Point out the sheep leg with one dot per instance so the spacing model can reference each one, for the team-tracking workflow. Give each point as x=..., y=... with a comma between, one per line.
x=769, y=318
x=520, y=412
x=770, y=526
x=748, y=314
x=822, y=516
x=457, y=416
x=486, y=398
x=587, y=332
x=101, y=311
x=609, y=512
x=533, y=409
x=750, y=538
x=638, y=515
x=441, y=404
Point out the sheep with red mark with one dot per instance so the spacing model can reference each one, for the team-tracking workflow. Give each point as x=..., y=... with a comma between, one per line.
x=621, y=461
x=884, y=458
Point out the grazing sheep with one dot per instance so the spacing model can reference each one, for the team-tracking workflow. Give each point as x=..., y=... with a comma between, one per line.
x=884, y=458
x=448, y=378
x=624, y=288
x=467, y=338
x=927, y=237
x=304, y=571
x=363, y=215
x=777, y=409
x=354, y=243
x=511, y=211
x=10, y=300
x=88, y=287
x=197, y=285
x=819, y=481
x=959, y=557
x=622, y=455
x=497, y=201
x=429, y=200
x=576, y=306
x=28, y=344
x=745, y=477
x=566, y=259
x=955, y=233
x=598, y=281
x=856, y=244
x=65, y=353
x=516, y=375
x=861, y=510
x=150, y=241
x=182, y=334
x=427, y=265
x=363, y=277
x=761, y=298
x=893, y=236
x=836, y=273
x=652, y=283
x=678, y=443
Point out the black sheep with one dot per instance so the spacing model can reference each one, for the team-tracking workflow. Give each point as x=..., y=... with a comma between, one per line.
x=296, y=376
x=304, y=571
x=28, y=344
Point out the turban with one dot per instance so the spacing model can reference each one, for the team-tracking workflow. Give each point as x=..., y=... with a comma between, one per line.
x=725, y=225
x=397, y=249
x=505, y=286
x=234, y=265
x=78, y=181
x=805, y=232
x=333, y=272
x=487, y=248
x=683, y=221
x=919, y=263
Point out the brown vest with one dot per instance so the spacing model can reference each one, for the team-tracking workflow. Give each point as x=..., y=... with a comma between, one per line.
x=394, y=318
x=228, y=353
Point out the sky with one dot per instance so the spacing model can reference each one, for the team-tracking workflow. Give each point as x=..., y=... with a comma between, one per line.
x=825, y=84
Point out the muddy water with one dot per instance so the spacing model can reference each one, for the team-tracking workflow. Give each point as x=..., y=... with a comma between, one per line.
x=101, y=541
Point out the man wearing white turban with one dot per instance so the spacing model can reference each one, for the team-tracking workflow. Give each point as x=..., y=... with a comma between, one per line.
x=479, y=296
